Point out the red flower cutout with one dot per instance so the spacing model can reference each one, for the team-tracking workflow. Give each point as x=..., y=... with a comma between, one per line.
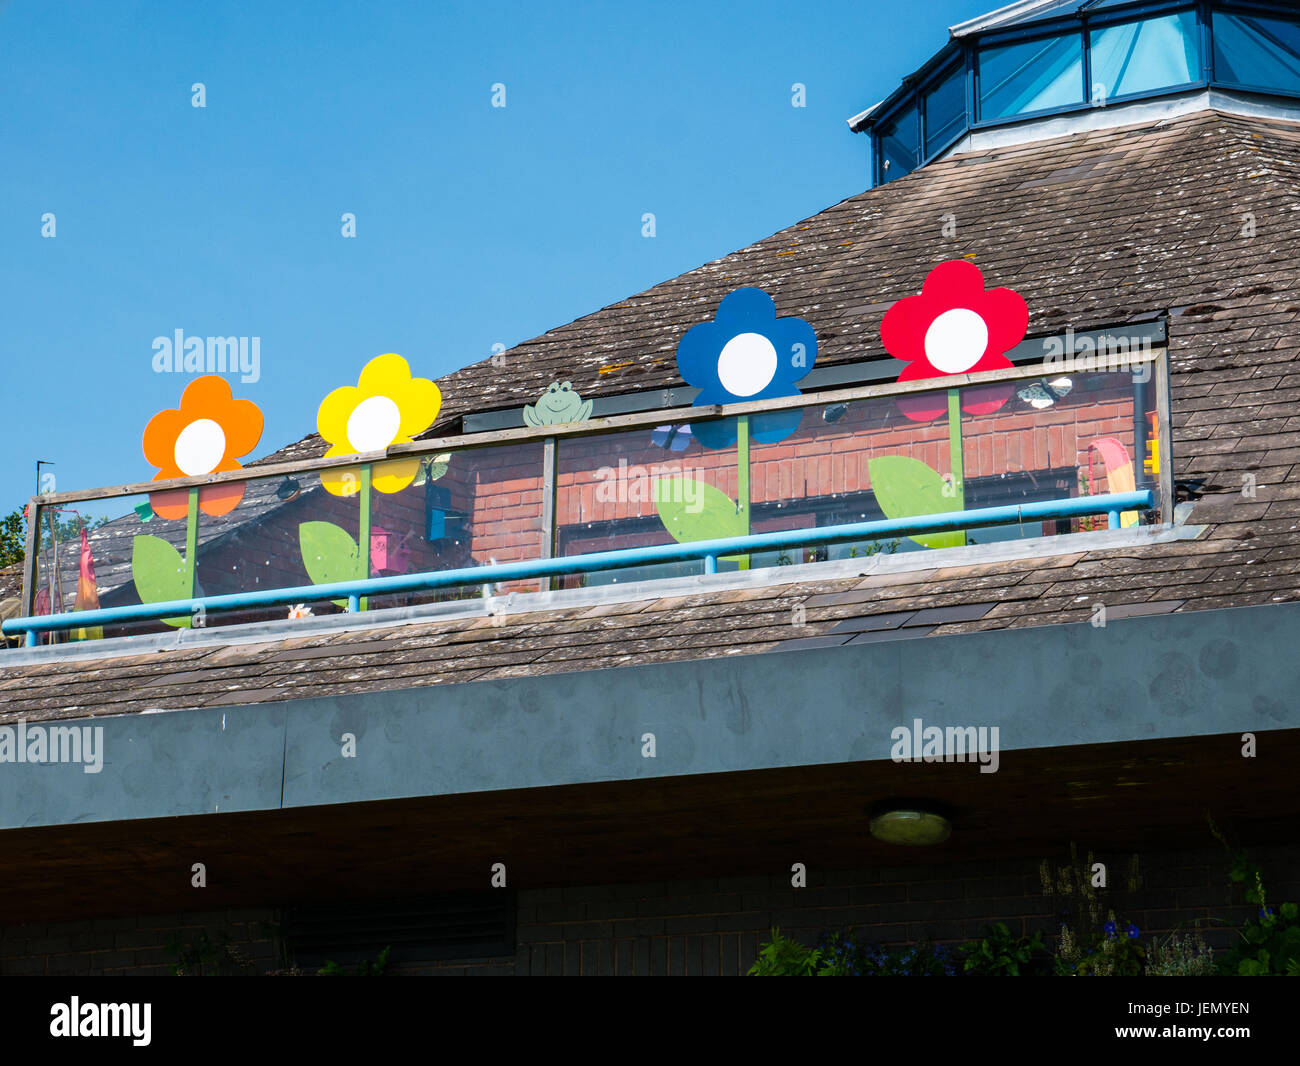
x=954, y=326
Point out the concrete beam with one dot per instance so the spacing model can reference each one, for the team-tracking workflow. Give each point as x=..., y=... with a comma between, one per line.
x=1194, y=674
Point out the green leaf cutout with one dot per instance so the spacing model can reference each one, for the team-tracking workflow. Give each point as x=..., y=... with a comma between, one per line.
x=907, y=487
x=160, y=574
x=329, y=554
x=691, y=510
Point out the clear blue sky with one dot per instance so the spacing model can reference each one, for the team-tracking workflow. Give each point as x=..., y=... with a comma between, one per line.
x=475, y=225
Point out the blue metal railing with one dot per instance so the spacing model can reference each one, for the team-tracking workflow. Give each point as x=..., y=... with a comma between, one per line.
x=1111, y=504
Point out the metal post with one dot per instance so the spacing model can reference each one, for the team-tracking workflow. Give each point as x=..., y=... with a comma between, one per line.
x=550, y=530
x=1164, y=436
x=742, y=477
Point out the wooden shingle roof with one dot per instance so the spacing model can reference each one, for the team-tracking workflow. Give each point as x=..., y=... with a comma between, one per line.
x=1194, y=218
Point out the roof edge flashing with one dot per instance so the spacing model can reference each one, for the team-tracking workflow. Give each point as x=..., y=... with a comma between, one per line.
x=996, y=18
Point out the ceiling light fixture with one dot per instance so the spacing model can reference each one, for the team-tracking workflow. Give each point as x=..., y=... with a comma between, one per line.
x=910, y=822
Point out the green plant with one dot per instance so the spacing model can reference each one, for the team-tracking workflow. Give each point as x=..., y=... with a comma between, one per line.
x=1270, y=942
x=1112, y=952
x=848, y=956
x=365, y=968
x=204, y=957
x=784, y=957
x=1080, y=892
x=1092, y=522
x=1003, y=954
x=875, y=547
x=1185, y=955
x=13, y=538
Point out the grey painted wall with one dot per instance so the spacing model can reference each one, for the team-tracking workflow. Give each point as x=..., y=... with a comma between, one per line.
x=1189, y=674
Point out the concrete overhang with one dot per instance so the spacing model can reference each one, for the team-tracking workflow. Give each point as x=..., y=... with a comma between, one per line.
x=1131, y=731
x=1189, y=674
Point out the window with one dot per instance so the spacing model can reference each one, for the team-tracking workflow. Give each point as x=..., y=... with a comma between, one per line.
x=1254, y=51
x=945, y=111
x=1016, y=79
x=1138, y=57
x=898, y=144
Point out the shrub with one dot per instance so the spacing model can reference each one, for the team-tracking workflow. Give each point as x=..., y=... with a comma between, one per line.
x=1113, y=951
x=783, y=957
x=1185, y=955
x=1000, y=954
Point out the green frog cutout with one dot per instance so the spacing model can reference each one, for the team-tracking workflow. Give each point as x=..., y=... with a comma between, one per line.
x=558, y=404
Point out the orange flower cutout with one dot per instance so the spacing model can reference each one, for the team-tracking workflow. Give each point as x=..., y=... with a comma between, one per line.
x=206, y=435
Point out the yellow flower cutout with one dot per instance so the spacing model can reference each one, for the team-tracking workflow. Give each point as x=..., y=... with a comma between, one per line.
x=386, y=406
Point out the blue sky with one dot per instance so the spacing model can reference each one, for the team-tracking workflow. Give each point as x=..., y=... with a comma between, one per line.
x=475, y=225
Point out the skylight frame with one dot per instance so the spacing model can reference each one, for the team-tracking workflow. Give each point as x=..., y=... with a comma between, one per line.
x=966, y=50
x=1085, y=24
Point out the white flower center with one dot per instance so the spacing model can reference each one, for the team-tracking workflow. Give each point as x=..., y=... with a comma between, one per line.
x=200, y=447
x=956, y=340
x=747, y=364
x=373, y=424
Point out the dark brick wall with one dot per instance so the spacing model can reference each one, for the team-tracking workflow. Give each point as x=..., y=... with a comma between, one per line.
x=112, y=946
x=712, y=926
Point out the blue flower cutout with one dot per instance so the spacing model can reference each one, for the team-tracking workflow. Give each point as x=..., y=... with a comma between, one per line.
x=746, y=353
x=1133, y=931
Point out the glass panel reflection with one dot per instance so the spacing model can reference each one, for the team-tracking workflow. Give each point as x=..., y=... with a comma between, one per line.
x=649, y=486
x=898, y=142
x=1015, y=79
x=945, y=111
x=1257, y=51
x=1142, y=56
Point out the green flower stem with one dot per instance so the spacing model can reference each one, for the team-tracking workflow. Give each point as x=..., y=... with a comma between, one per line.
x=954, y=452
x=192, y=544
x=363, y=533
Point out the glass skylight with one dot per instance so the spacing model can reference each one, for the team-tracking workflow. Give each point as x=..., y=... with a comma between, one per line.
x=1075, y=55
x=945, y=111
x=1138, y=57
x=1258, y=52
x=1031, y=76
